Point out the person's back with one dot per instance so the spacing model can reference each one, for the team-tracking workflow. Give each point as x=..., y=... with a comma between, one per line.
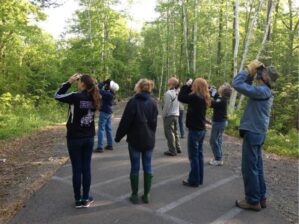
x=142, y=132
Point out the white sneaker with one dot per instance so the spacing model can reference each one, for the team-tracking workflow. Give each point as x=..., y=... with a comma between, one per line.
x=216, y=163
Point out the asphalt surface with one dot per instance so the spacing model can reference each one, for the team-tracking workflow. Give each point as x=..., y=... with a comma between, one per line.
x=170, y=201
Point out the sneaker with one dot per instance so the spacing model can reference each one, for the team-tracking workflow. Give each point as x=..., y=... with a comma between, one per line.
x=216, y=162
x=109, y=147
x=245, y=205
x=78, y=204
x=100, y=150
x=169, y=153
x=87, y=203
x=263, y=203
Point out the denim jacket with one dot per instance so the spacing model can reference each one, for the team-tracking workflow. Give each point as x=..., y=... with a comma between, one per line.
x=257, y=112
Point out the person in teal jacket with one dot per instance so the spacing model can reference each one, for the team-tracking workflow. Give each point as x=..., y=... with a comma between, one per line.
x=253, y=128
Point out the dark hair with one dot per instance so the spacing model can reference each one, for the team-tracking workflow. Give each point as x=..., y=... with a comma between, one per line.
x=92, y=89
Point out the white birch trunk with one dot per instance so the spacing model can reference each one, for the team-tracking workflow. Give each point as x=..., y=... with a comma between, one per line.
x=185, y=36
x=261, y=48
x=226, y=39
x=195, y=36
x=244, y=56
x=236, y=48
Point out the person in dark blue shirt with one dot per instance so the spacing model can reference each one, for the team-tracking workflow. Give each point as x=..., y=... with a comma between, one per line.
x=107, y=89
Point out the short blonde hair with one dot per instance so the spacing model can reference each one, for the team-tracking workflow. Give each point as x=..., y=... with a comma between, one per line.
x=144, y=85
x=174, y=82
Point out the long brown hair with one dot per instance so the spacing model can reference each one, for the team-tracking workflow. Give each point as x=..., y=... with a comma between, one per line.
x=93, y=90
x=200, y=87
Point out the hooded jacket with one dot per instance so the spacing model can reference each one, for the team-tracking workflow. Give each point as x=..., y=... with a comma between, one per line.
x=139, y=122
x=80, y=122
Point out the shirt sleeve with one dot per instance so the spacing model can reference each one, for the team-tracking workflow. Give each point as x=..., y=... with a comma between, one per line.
x=64, y=97
x=242, y=84
x=167, y=104
x=126, y=121
x=184, y=95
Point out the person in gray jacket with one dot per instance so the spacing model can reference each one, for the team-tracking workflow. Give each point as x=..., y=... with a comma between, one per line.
x=253, y=128
x=170, y=114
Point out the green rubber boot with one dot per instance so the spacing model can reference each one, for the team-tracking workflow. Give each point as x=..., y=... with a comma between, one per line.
x=134, y=186
x=147, y=187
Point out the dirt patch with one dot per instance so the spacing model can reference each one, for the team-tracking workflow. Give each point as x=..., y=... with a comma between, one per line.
x=30, y=161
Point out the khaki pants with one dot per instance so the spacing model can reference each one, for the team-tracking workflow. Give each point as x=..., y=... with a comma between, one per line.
x=171, y=133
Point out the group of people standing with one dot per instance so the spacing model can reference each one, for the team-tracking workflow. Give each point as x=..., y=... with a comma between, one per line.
x=139, y=124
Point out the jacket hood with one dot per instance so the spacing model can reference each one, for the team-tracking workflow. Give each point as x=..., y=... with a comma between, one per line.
x=142, y=96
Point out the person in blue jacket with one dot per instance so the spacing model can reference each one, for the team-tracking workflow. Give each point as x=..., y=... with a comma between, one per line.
x=107, y=89
x=253, y=128
x=80, y=132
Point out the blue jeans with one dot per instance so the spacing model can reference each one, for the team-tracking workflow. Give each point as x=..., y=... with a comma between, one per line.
x=105, y=126
x=216, y=138
x=195, y=152
x=181, y=123
x=252, y=167
x=135, y=161
x=80, y=151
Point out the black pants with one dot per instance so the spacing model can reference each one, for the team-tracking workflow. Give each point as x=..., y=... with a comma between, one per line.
x=80, y=151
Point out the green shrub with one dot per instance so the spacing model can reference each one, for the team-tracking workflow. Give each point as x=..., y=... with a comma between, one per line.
x=20, y=114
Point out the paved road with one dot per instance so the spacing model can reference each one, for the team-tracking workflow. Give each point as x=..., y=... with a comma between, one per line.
x=170, y=201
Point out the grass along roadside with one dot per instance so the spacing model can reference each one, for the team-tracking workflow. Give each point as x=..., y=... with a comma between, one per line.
x=277, y=143
x=20, y=115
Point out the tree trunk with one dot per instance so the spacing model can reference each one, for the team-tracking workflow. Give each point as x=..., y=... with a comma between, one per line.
x=226, y=40
x=195, y=36
x=247, y=44
x=186, y=36
x=174, y=47
x=236, y=47
x=220, y=30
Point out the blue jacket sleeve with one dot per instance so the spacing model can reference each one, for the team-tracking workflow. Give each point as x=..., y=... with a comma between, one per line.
x=106, y=94
x=64, y=97
x=242, y=84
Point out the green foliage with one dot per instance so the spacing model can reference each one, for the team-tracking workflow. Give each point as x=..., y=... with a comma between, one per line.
x=20, y=114
x=282, y=144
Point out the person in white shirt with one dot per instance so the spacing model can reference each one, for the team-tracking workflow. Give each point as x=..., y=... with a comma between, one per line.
x=170, y=114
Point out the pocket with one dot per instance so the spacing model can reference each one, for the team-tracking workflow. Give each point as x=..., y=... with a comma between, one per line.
x=255, y=138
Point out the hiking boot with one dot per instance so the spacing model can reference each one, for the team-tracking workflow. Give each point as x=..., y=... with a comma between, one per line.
x=147, y=187
x=169, y=153
x=78, y=204
x=99, y=150
x=109, y=147
x=263, y=203
x=134, y=179
x=87, y=202
x=214, y=162
x=245, y=205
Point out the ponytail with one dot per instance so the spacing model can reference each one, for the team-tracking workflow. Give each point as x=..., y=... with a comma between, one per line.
x=93, y=90
x=97, y=98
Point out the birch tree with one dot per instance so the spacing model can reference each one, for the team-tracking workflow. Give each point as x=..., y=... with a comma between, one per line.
x=236, y=48
x=195, y=36
x=244, y=56
x=185, y=25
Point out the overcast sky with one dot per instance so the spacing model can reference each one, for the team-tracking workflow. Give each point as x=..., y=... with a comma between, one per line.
x=141, y=11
